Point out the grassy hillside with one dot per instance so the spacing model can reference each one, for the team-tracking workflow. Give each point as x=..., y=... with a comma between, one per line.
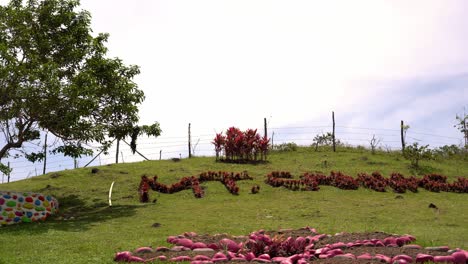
x=88, y=231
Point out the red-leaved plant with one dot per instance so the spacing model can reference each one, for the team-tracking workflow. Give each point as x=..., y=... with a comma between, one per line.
x=241, y=146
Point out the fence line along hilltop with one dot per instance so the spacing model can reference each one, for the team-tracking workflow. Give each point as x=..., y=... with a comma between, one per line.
x=200, y=144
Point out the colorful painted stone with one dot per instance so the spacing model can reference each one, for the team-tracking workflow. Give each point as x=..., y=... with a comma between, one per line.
x=20, y=207
x=28, y=206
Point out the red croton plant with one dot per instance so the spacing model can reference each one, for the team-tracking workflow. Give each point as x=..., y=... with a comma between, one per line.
x=241, y=146
x=193, y=182
x=397, y=182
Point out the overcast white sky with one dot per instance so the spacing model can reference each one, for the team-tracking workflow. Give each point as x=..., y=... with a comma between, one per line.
x=222, y=63
x=231, y=63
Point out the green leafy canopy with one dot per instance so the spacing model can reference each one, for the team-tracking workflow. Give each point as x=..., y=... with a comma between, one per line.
x=55, y=76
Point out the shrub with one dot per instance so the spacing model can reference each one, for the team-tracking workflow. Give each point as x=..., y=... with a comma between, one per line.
x=415, y=153
x=286, y=147
x=241, y=146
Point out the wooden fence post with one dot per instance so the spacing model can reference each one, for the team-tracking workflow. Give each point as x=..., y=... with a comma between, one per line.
x=9, y=172
x=160, y=152
x=402, y=136
x=333, y=135
x=189, y=142
x=265, y=128
x=272, y=138
x=45, y=154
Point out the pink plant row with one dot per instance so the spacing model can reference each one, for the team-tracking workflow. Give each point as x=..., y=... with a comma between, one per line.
x=261, y=247
x=375, y=181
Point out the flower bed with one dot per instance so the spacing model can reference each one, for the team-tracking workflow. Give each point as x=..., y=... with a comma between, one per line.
x=303, y=245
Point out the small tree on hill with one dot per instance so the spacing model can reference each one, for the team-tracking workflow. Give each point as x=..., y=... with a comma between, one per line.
x=462, y=125
x=374, y=142
x=415, y=153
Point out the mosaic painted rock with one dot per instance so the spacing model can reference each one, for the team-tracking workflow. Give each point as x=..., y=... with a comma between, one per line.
x=25, y=207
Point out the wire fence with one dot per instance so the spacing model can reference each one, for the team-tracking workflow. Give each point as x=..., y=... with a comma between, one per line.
x=168, y=147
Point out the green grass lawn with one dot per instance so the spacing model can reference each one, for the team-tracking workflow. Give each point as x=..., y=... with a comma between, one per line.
x=94, y=231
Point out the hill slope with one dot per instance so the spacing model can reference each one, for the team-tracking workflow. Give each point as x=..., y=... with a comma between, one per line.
x=88, y=231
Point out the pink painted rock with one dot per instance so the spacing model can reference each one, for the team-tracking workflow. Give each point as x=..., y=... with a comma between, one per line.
x=135, y=259
x=219, y=255
x=402, y=240
x=325, y=256
x=185, y=242
x=161, y=258
x=383, y=258
x=144, y=250
x=300, y=242
x=338, y=245
x=190, y=234
x=162, y=249
x=379, y=244
x=302, y=261
x=213, y=246
x=400, y=261
x=180, y=248
x=389, y=240
x=421, y=258
x=265, y=256
x=335, y=252
x=203, y=250
x=278, y=259
x=448, y=259
x=322, y=250
x=201, y=257
x=459, y=257
x=180, y=259
x=350, y=244
x=365, y=256
x=122, y=256
x=229, y=245
x=198, y=245
x=171, y=239
x=249, y=256
x=261, y=260
x=402, y=257
x=294, y=258
x=286, y=261
x=230, y=255
x=465, y=252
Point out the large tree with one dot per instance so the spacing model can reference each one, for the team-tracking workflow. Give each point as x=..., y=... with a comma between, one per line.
x=55, y=76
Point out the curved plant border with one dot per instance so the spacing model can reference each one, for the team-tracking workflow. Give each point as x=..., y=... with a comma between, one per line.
x=227, y=178
x=375, y=181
